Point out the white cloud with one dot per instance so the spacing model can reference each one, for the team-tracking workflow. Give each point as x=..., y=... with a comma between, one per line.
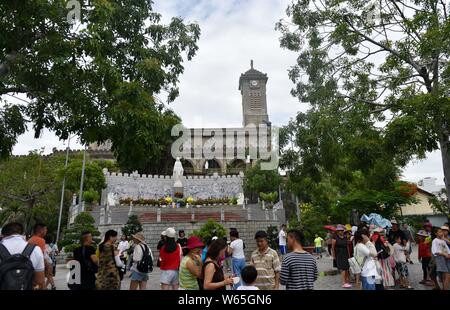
x=233, y=32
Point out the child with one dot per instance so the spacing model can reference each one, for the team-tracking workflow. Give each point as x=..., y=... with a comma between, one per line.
x=424, y=255
x=400, y=251
x=249, y=275
x=441, y=253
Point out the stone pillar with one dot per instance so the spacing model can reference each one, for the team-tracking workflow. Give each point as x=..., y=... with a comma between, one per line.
x=267, y=214
x=130, y=211
x=102, y=216
x=222, y=214
x=108, y=212
x=249, y=214
x=192, y=215
x=83, y=206
x=158, y=215
x=264, y=205
x=274, y=215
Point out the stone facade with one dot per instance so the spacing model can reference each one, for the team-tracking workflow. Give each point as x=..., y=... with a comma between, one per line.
x=152, y=232
x=124, y=185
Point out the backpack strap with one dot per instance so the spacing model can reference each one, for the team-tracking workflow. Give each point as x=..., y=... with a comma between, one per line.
x=28, y=250
x=4, y=253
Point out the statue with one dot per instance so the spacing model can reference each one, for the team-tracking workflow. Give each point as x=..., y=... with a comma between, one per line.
x=112, y=200
x=177, y=175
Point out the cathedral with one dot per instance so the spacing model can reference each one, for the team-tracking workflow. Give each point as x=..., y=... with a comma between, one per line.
x=234, y=148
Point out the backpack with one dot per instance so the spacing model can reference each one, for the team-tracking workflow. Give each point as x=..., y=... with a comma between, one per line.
x=16, y=271
x=145, y=265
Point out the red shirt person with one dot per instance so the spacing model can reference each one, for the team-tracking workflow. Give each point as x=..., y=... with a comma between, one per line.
x=170, y=259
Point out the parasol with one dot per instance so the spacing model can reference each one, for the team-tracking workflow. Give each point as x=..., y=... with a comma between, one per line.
x=329, y=227
x=376, y=219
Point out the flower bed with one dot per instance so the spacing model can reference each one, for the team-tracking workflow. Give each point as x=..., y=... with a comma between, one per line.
x=182, y=202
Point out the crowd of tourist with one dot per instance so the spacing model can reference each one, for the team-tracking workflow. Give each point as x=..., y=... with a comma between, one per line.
x=372, y=257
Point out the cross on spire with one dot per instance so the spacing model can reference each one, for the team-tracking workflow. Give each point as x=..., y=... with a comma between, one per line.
x=251, y=63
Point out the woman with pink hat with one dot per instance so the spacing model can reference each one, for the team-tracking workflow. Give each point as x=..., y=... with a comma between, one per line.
x=191, y=265
x=341, y=254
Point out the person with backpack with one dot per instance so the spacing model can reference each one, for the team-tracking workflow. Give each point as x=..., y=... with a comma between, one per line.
x=142, y=263
x=170, y=256
x=85, y=255
x=18, y=255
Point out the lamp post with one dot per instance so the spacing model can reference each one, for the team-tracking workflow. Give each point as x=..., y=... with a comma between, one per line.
x=62, y=192
x=80, y=200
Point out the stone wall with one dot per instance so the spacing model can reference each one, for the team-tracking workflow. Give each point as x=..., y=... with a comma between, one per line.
x=153, y=231
x=124, y=185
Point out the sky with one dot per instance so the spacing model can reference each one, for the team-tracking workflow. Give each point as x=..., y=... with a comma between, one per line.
x=233, y=33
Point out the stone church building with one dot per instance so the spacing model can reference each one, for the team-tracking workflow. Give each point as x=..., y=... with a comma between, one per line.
x=253, y=89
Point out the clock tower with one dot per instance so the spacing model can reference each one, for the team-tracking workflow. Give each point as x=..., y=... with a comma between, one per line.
x=252, y=85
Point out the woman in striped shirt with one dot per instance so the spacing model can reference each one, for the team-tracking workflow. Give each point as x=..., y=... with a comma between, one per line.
x=299, y=268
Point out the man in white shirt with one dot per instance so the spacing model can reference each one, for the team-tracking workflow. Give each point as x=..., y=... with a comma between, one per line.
x=236, y=250
x=282, y=240
x=14, y=241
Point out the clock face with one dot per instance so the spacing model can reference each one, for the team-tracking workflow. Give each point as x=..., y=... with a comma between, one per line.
x=254, y=83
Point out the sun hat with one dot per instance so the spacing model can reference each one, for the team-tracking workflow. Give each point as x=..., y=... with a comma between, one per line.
x=394, y=221
x=340, y=228
x=194, y=242
x=422, y=233
x=138, y=236
x=348, y=227
x=214, y=238
x=444, y=227
x=170, y=232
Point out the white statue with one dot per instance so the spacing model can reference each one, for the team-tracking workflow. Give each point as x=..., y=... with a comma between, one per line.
x=112, y=200
x=240, y=199
x=178, y=173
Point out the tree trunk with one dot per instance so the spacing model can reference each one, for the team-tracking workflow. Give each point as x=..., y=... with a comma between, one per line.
x=445, y=151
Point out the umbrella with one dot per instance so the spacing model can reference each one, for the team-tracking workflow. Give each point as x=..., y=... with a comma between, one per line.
x=329, y=227
x=376, y=219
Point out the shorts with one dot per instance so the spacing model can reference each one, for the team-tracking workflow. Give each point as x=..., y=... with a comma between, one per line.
x=402, y=269
x=169, y=277
x=442, y=264
x=139, y=276
x=282, y=249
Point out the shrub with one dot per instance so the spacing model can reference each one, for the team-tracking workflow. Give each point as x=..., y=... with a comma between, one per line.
x=132, y=226
x=91, y=196
x=210, y=229
x=83, y=222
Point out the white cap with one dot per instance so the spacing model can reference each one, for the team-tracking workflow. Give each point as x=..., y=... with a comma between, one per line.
x=169, y=232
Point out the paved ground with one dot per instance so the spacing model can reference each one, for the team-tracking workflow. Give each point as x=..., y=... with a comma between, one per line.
x=323, y=283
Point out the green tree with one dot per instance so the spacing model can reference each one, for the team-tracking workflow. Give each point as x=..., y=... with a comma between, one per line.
x=393, y=69
x=261, y=181
x=72, y=236
x=439, y=203
x=30, y=188
x=272, y=237
x=132, y=226
x=98, y=79
x=94, y=179
x=210, y=229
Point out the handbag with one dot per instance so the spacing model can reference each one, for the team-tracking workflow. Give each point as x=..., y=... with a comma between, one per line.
x=355, y=266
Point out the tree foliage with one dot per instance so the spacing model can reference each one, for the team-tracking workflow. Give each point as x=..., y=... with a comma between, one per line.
x=132, y=226
x=210, y=229
x=261, y=181
x=385, y=62
x=30, y=190
x=99, y=78
x=72, y=236
x=94, y=179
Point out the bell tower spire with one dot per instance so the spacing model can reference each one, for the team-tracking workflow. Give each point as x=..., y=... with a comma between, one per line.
x=252, y=85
